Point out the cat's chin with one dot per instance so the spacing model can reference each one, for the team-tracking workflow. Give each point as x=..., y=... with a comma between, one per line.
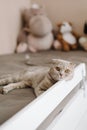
x=55, y=77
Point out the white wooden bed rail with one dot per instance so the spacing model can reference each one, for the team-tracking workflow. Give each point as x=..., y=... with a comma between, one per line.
x=30, y=117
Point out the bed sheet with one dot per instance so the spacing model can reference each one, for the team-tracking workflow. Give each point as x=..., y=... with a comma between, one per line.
x=12, y=102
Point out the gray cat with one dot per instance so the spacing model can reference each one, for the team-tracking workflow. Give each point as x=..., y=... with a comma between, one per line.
x=40, y=80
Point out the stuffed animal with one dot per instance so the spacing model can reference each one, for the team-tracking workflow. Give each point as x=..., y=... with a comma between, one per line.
x=36, y=33
x=27, y=14
x=56, y=44
x=41, y=37
x=22, y=40
x=83, y=42
x=67, y=37
x=83, y=39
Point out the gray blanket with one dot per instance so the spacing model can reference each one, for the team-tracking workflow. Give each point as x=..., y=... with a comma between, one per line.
x=17, y=99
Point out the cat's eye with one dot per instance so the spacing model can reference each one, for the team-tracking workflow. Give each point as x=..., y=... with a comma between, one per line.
x=67, y=71
x=57, y=68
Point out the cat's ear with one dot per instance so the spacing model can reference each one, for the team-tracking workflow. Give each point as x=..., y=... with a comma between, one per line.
x=55, y=61
x=72, y=64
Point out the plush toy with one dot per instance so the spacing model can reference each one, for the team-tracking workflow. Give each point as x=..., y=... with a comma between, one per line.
x=36, y=33
x=27, y=14
x=41, y=37
x=83, y=42
x=83, y=39
x=22, y=40
x=67, y=37
x=56, y=44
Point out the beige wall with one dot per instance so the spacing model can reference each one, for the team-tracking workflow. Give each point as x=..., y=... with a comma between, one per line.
x=66, y=10
x=58, y=10
x=10, y=23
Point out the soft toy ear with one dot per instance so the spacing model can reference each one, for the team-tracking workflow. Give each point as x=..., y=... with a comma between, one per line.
x=70, y=23
x=25, y=16
x=59, y=25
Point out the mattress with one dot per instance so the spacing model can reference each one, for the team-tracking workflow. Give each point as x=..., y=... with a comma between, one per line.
x=12, y=102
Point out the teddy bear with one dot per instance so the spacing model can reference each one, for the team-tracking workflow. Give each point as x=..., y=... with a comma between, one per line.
x=83, y=42
x=66, y=37
x=36, y=33
x=83, y=39
x=56, y=44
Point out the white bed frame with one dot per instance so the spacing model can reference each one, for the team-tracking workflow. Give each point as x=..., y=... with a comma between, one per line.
x=34, y=114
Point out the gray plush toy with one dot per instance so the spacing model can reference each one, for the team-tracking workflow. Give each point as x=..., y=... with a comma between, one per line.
x=36, y=33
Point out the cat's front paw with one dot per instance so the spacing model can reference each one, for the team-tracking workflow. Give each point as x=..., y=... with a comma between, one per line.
x=3, y=90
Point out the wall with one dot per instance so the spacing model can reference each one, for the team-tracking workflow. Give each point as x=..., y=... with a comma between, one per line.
x=66, y=10
x=10, y=23
x=58, y=10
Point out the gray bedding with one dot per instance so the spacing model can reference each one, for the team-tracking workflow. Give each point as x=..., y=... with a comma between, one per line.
x=17, y=99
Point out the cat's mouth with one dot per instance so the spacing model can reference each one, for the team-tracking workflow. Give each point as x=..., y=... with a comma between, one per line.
x=57, y=77
x=61, y=76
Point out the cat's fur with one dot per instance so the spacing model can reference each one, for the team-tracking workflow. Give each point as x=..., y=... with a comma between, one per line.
x=40, y=80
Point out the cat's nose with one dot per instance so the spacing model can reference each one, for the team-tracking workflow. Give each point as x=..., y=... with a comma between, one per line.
x=61, y=74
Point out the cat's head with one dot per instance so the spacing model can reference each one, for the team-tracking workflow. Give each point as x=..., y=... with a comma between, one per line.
x=61, y=69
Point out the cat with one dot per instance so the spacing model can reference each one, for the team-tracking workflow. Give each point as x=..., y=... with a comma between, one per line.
x=40, y=80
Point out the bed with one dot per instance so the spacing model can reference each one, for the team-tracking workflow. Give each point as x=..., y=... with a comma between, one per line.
x=13, y=104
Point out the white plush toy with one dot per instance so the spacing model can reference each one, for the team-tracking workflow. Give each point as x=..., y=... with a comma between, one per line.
x=83, y=39
x=83, y=42
x=66, y=36
x=37, y=31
